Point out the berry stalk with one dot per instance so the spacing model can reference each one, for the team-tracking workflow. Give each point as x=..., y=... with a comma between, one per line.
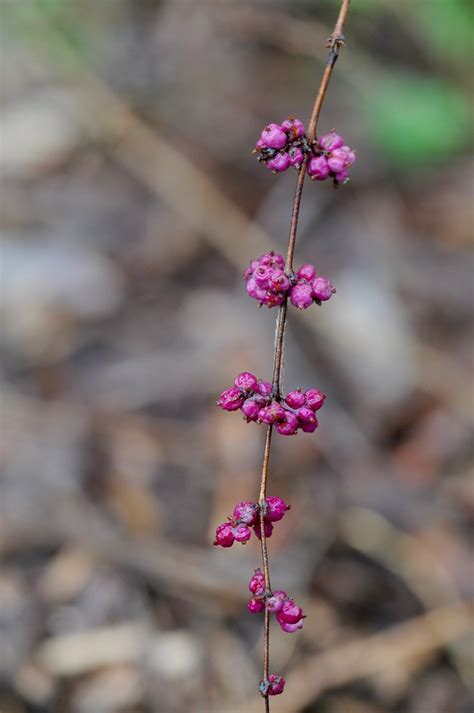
x=335, y=41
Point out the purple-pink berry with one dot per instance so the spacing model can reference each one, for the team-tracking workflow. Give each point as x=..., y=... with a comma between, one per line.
x=301, y=295
x=289, y=628
x=314, y=399
x=293, y=127
x=273, y=604
x=318, y=168
x=246, y=381
x=337, y=160
x=296, y=156
x=280, y=162
x=242, y=533
x=276, y=508
x=289, y=426
x=257, y=583
x=276, y=685
x=322, y=289
x=231, y=399
x=267, y=526
x=295, y=399
x=224, y=535
x=250, y=409
x=273, y=137
x=255, y=605
x=330, y=141
x=290, y=612
x=246, y=512
x=306, y=272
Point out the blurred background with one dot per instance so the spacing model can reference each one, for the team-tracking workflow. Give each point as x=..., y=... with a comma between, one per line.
x=131, y=205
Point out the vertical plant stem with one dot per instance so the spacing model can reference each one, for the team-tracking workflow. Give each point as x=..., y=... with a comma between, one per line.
x=335, y=41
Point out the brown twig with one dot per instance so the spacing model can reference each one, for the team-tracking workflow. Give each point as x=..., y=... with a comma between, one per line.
x=335, y=41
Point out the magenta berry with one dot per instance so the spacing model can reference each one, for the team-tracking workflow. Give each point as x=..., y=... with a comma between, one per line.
x=224, y=535
x=290, y=628
x=295, y=399
x=257, y=583
x=273, y=137
x=289, y=426
x=273, y=604
x=246, y=381
x=330, y=141
x=231, y=399
x=306, y=272
x=301, y=295
x=280, y=162
x=250, y=409
x=322, y=289
x=276, y=508
x=276, y=684
x=242, y=533
x=337, y=160
x=314, y=399
x=293, y=127
x=290, y=612
x=318, y=168
x=279, y=281
x=246, y=513
x=272, y=414
x=255, y=606
x=296, y=156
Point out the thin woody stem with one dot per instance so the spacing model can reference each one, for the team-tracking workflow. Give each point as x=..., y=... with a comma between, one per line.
x=335, y=41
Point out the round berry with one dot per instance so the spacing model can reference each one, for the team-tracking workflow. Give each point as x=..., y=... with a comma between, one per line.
x=276, y=508
x=279, y=163
x=273, y=137
x=273, y=604
x=289, y=628
x=290, y=612
x=296, y=156
x=246, y=512
x=337, y=160
x=306, y=272
x=314, y=398
x=224, y=535
x=295, y=399
x=246, y=381
x=242, y=533
x=293, y=127
x=330, y=141
x=289, y=426
x=255, y=605
x=268, y=529
x=231, y=399
x=250, y=409
x=276, y=684
x=301, y=295
x=322, y=289
x=318, y=168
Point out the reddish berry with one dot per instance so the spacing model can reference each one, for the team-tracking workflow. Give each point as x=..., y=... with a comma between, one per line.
x=276, y=684
x=246, y=381
x=255, y=605
x=231, y=399
x=306, y=272
x=289, y=426
x=242, y=533
x=289, y=628
x=268, y=529
x=224, y=535
x=301, y=295
x=290, y=612
x=276, y=508
x=314, y=399
x=246, y=512
x=273, y=604
x=257, y=583
x=295, y=399
x=250, y=409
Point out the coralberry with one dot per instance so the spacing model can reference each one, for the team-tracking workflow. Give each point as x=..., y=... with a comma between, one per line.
x=246, y=515
x=283, y=145
x=268, y=284
x=287, y=613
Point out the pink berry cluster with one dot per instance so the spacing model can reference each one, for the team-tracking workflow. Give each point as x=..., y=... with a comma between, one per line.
x=268, y=283
x=297, y=410
x=287, y=613
x=283, y=145
x=246, y=515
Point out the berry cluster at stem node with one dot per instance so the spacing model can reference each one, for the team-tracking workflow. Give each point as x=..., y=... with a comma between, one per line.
x=283, y=145
x=273, y=686
x=268, y=284
x=246, y=516
x=297, y=410
x=287, y=613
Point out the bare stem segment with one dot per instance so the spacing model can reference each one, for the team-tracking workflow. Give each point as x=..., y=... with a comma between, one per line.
x=335, y=41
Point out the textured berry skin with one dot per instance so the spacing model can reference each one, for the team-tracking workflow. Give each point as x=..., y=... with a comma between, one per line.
x=314, y=399
x=242, y=533
x=276, y=508
x=337, y=160
x=290, y=612
x=301, y=295
x=273, y=137
x=279, y=281
x=306, y=415
x=246, y=381
x=264, y=388
x=296, y=156
x=255, y=606
x=246, y=512
x=280, y=162
x=318, y=168
x=224, y=535
x=293, y=127
x=322, y=289
x=276, y=685
x=250, y=409
x=273, y=604
x=257, y=583
x=289, y=628
x=289, y=426
x=306, y=272
x=272, y=414
x=310, y=426
x=295, y=399
x=350, y=155
x=231, y=399
x=330, y=141
x=342, y=176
